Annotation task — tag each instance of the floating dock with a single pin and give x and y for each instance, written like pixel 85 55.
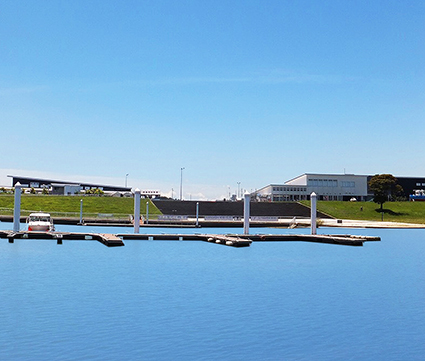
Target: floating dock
pixel 232 240
pixel 109 240
pixel 241 240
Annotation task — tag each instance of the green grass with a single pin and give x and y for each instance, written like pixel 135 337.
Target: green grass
pixel 409 212
pixel 69 206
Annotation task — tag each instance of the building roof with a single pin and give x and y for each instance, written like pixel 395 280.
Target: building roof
pixel 25 180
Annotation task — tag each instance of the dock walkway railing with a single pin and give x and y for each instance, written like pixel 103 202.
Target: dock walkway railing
pixel 26 212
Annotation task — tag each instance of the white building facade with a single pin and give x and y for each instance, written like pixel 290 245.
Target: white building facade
pixel 326 186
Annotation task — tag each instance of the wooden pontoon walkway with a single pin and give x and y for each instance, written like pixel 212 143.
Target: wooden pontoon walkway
pixel 109 240
pixel 233 240
pixel 240 240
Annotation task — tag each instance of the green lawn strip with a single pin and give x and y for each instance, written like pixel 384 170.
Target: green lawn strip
pixel 69 206
pixel 408 212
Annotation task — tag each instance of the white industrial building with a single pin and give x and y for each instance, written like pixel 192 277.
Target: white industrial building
pixel 326 186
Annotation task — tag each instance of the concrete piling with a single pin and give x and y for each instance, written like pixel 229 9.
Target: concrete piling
pixel 246 210
pixel 197 214
pixel 17 208
pixel 136 210
pixel 81 211
pixel 313 214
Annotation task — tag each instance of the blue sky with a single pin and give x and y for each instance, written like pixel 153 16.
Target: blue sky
pixel 255 92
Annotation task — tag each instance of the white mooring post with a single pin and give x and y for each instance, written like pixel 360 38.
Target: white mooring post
pixel 197 214
pixel 81 211
pixel 136 210
pixel 147 212
pixel 246 200
pixel 17 208
pixel 313 214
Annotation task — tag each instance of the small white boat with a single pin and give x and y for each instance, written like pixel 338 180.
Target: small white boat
pixel 40 221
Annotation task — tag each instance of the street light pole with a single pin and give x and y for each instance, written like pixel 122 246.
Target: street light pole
pixel 181 183
pixel 239 185
pixel 126 180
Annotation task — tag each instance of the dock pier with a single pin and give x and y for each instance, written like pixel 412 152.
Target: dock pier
pixel 232 240
pixel 108 240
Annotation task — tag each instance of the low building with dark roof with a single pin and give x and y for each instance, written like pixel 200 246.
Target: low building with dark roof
pixel 64 187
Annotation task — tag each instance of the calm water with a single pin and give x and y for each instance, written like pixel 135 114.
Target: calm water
pixel 155 300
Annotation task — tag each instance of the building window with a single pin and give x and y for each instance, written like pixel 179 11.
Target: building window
pixel 346 184
pixel 322 183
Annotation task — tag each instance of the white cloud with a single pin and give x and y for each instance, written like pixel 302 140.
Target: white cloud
pixel 21 90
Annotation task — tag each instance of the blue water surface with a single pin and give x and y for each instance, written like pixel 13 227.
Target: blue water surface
pixel 178 300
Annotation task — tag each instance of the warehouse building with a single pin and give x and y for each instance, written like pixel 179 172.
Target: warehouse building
pixel 64 187
pixel 338 187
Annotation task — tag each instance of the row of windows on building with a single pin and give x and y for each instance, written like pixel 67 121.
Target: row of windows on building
pixel 289 189
pixel 299 197
pixel 330 183
pixel 37 185
pixel 288 197
pixel 323 183
pixel 317 183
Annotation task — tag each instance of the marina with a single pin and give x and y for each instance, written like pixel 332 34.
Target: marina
pixel 212 181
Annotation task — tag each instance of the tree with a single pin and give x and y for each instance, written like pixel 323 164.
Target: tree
pixel 384 188
pixel 98 192
pixel 94 191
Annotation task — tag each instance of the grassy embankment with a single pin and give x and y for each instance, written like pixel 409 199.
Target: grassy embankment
pixel 408 212
pixel 67 206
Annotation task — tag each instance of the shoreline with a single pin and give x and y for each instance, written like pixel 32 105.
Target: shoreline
pixel 202 223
